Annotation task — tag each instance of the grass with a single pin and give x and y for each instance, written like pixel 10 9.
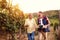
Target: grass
pixel 54 21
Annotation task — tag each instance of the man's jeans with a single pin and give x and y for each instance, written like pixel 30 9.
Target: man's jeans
pixel 31 36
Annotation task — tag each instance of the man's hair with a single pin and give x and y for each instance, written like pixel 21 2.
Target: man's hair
pixel 29 14
pixel 40 12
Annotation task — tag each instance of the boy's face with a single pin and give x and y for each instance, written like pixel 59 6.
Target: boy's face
pixel 40 15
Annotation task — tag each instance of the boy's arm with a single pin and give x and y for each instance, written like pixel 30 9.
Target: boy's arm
pixel 45 26
pixel 48 22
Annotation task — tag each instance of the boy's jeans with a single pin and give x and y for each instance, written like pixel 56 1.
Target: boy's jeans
pixel 31 36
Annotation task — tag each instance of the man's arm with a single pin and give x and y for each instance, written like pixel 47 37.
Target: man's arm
pixel 36 26
pixel 26 24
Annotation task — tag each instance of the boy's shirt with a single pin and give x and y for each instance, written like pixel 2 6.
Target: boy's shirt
pixel 43 22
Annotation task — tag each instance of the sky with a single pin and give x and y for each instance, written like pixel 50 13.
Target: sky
pixel 30 6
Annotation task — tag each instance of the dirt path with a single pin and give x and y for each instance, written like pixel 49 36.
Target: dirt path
pixel 51 35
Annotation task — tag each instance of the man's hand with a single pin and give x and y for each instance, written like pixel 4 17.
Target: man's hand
pixel 26 25
pixel 38 26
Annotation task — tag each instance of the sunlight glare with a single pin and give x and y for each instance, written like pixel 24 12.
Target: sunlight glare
pixel 37 5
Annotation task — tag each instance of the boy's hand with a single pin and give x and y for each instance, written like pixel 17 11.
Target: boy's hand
pixel 44 26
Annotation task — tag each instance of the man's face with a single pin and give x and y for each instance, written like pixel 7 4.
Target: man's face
pixel 30 16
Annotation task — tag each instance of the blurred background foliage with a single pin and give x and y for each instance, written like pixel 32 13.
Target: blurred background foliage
pixel 11 18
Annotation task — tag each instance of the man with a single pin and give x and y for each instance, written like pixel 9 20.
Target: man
pixel 30 24
pixel 43 23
